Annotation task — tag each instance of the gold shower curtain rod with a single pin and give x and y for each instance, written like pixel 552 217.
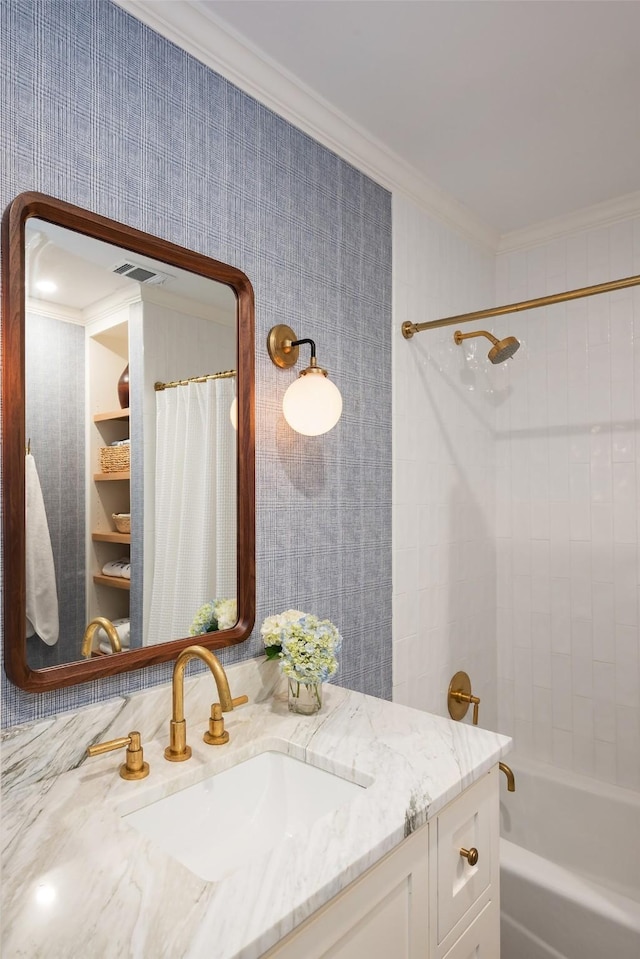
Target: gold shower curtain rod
pixel 225 375
pixel 408 329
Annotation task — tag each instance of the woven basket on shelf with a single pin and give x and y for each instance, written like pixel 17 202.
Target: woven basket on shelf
pixel 115 459
pixel 122 522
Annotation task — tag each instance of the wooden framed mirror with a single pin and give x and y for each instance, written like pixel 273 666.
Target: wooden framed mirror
pixel 141 499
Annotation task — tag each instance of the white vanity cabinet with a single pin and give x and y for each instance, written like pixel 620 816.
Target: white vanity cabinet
pixel 423 900
pixel 464 902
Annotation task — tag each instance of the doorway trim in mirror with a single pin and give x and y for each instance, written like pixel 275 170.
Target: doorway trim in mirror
pixel 63 214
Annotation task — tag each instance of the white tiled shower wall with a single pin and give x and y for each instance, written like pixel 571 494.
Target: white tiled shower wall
pixel 444 478
pixel 567 506
pixel 517 493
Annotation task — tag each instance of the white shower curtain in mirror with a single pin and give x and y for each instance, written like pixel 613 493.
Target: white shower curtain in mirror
pixel 195 521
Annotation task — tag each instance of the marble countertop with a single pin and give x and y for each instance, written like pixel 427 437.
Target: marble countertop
pixel 78 880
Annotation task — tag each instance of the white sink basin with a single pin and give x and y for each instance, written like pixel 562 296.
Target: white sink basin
pixel 232 818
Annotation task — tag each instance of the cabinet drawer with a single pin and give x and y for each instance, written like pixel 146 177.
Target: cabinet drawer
pixel 469 822
pixel 481 940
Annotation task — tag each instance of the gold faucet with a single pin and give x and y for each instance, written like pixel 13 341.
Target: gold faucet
pixel 177 750
pixel 511 779
pixel 110 630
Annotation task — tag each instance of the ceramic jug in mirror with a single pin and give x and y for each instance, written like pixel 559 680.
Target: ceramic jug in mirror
pixel 142 515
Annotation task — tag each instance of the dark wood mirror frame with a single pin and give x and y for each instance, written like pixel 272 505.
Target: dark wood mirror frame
pixel 13 440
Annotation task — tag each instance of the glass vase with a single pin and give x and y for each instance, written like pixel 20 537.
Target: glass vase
pixel 304 698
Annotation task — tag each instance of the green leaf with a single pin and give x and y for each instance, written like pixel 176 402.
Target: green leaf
pixel 273 652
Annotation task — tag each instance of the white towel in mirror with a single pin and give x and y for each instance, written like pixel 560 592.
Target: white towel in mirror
pixel 42 595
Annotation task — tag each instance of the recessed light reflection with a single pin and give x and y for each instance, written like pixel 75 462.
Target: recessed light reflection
pixel 45 894
pixel 46 286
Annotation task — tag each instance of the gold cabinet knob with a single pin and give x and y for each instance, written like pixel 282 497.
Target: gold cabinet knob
pixel 135 767
pixel 471 855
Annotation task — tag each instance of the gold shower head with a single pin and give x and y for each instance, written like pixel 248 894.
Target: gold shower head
pixel 501 349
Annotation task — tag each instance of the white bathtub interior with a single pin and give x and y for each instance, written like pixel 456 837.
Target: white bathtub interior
pixel 570 867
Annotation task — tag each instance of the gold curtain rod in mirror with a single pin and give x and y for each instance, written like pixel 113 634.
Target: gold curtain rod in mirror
pixel 408 328
pixel 225 375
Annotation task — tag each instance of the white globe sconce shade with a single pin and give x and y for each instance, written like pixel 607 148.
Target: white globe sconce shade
pixel 312 404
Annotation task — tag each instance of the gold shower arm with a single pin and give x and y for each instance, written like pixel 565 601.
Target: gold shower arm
pixel 408 329
pixel 459 337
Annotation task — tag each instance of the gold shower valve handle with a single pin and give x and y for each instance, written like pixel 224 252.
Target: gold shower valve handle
pixel 459 697
pixel 476 703
pixel 135 767
pixel 471 855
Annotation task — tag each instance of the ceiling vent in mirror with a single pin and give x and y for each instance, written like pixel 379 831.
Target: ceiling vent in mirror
pixel 140 273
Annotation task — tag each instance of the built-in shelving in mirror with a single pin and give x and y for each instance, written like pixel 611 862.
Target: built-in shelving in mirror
pixel 127 446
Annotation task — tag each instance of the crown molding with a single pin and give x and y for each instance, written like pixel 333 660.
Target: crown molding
pixel 588 218
pixel 215 44
pixel 110 311
pixel 54 311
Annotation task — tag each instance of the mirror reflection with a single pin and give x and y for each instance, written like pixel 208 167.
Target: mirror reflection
pixel 131 452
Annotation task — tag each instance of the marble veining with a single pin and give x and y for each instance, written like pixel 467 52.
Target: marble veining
pixel 74 872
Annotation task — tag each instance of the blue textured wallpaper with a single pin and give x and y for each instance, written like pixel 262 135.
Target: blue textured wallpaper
pixel 100 111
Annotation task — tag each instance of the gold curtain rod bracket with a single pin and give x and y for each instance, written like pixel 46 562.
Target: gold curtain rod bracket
pixel 225 375
pixel 408 329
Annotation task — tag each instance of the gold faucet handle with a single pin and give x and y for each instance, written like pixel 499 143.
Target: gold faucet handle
pixel 217 735
pixel 135 767
pixel 239 701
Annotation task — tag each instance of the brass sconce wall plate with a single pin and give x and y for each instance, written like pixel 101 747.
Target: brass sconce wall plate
pixel 279 346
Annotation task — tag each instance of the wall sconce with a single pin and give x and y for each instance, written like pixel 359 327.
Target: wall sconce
pixel 312 404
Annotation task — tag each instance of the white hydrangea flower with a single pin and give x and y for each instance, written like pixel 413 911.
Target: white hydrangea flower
pixel 227 613
pixel 214 615
pixel 271 629
pixel 305 645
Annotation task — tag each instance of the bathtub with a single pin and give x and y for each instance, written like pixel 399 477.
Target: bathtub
pixel 569 867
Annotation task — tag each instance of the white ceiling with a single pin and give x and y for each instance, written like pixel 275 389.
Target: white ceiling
pixel 521 111
pixel 82 269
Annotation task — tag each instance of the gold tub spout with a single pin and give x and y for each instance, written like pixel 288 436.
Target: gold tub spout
pixel 511 779
pixel 110 630
pixel 177 750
